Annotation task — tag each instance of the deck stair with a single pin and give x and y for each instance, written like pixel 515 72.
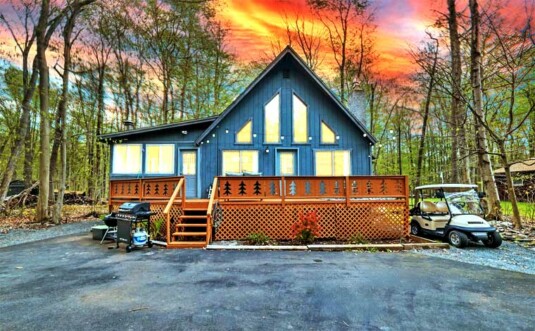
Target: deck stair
pixel 191 228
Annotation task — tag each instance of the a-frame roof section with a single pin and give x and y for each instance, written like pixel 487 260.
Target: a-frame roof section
pixel 288 51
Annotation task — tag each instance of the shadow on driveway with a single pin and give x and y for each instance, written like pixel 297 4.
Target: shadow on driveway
pixel 75 283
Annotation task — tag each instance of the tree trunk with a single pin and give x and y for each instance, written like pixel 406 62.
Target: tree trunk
pixel 510 188
pixel 456 76
pixel 42 214
pixel 28 159
pixel 24 124
pixel 427 105
pixel 485 165
pixel 62 174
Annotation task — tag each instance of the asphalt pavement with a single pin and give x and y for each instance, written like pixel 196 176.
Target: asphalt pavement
pixel 73 283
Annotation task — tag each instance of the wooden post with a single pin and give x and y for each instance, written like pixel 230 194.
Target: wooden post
pixel 348 198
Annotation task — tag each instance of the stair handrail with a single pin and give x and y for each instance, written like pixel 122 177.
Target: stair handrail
pixel 169 205
pixel 209 211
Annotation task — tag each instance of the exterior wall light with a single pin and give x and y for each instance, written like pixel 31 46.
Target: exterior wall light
pixel 226 130
pixel 310 138
pixel 282 137
pixel 254 135
pixel 213 134
pixel 184 132
pixel 337 137
pixel 208 141
pixel 267 150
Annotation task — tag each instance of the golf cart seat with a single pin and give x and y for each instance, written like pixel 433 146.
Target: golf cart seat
pixel 442 207
pixel 428 207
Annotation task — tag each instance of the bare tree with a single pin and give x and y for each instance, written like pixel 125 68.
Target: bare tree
pixel 485 165
pixel 307 37
pixel 339 17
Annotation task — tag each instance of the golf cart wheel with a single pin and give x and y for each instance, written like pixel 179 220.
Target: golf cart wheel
pixel 415 228
pixel 149 244
pixel 128 249
pixel 494 241
pixel 457 239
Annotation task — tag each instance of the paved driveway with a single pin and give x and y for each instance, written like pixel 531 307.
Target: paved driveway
pixel 72 283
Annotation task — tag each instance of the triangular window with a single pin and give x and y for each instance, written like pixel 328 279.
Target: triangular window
pixel 327 134
pixel 245 134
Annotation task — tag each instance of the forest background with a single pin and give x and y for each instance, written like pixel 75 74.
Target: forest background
pixel 449 84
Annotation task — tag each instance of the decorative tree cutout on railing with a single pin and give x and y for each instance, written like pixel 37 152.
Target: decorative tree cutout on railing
pixel 272 188
pixel 136 189
pixel 383 187
pixel 128 190
pixel 354 187
pixel 165 189
pixel 292 188
pixel 242 188
pixel 322 188
pixel 226 188
pixel 399 186
pixel 122 188
pixel 369 187
pixel 257 188
pixel 115 188
pixel 147 189
pixel 307 188
pixel 336 188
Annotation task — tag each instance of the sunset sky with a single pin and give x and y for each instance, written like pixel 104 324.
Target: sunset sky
pixel 400 24
pixel 254 24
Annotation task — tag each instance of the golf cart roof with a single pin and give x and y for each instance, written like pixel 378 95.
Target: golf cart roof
pixel 443 186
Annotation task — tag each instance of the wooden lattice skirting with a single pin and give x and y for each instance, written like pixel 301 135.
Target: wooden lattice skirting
pixel 367 220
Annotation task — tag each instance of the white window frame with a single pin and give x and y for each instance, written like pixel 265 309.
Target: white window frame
pixel 240 151
pixel 278 141
pixel 250 136
pixel 333 151
pixel 147 159
pixel 295 123
pixel 114 163
pixel 321 134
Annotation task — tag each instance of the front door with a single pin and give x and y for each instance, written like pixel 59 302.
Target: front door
pixel 189 171
pixel 286 163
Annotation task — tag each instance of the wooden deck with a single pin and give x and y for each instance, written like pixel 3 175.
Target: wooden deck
pixel 368 207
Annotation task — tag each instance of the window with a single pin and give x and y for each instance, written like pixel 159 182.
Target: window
pixel 300 121
pixel 245 135
pixel 126 159
pixel 518 182
pixel 272 120
pixel 240 161
pixel 327 134
pixel 333 163
pixel 160 159
pixel 286 163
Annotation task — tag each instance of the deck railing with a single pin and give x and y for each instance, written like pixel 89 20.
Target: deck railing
pixel 179 189
pixel 288 189
pixel 209 220
pixel 367 207
pixel 162 193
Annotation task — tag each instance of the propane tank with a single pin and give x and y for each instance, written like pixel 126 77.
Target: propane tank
pixel 140 237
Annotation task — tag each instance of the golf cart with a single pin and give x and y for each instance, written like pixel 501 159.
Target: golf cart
pixel 457 215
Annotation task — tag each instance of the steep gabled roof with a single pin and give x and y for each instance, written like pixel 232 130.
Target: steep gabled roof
pixel 180 125
pixel 288 51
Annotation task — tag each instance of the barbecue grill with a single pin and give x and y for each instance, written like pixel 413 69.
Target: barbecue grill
pixel 133 218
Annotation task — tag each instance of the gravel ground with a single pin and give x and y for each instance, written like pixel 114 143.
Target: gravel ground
pixel 509 256
pixel 16 237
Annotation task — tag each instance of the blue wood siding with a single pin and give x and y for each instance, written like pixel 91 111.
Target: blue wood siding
pixel 320 107
pixel 223 137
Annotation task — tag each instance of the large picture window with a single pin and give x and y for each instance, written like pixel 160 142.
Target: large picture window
pixel 240 161
pixel 245 135
pixel 333 163
pixel 126 159
pixel 300 120
pixel 160 159
pixel 272 120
